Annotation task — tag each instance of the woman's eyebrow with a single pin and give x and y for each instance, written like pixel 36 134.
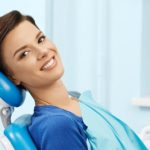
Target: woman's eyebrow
pixel 38 34
pixel 20 49
pixel 25 46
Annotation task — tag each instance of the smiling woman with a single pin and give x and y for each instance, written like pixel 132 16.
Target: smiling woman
pixel 31 60
pixel 60 121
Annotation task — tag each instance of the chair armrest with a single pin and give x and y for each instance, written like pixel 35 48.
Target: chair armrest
pixel 18 134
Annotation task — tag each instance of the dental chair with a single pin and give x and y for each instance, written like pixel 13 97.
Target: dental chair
pixel 16 136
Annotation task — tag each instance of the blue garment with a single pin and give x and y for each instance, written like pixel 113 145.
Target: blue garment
pixel 102 130
pixel 105 131
pixel 54 128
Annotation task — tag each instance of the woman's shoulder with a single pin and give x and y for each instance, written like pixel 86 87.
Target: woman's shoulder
pixel 52 125
pixel 54 119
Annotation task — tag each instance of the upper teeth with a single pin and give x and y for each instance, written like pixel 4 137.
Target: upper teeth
pixel 49 64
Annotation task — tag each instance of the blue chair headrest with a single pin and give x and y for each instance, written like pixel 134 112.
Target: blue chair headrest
pixel 10 93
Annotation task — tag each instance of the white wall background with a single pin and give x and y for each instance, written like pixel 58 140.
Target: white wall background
pixel 104 46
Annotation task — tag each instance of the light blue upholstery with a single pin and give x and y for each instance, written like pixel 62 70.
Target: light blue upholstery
pixel 10 93
pixel 18 134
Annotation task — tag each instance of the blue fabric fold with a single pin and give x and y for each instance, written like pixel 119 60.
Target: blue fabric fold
pixel 105 131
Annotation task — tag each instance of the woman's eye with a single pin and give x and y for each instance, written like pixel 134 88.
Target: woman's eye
pixel 41 39
pixel 24 54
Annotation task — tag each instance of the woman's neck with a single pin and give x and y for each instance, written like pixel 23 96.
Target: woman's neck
pixel 56 94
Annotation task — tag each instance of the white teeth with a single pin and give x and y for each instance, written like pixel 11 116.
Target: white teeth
pixel 48 64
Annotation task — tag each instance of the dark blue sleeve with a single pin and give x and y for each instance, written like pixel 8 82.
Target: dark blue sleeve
pixel 62 133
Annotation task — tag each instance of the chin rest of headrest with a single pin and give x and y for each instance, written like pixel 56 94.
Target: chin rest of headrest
pixel 10 93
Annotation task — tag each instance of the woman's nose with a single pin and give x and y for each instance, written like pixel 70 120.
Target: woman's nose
pixel 42 53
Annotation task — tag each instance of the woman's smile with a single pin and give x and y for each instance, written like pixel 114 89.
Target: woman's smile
pixel 48 65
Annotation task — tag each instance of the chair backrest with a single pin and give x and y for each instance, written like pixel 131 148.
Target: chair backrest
pixel 11 96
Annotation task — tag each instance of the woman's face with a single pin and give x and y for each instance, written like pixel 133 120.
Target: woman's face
pixel 29 55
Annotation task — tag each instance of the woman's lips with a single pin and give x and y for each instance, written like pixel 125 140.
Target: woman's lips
pixel 49 64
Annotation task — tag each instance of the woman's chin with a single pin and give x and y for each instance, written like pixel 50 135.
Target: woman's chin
pixel 57 74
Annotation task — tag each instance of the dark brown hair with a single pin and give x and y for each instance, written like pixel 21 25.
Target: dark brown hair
pixel 7 23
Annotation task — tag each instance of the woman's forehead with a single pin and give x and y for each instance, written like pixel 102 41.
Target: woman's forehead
pixel 21 35
pixel 24 31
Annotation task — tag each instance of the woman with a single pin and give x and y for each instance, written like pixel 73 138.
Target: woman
pixel 59 121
